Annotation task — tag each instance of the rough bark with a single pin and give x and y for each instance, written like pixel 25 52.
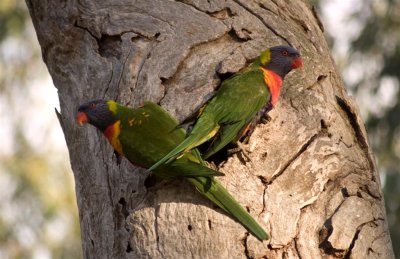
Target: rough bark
pixel 312 183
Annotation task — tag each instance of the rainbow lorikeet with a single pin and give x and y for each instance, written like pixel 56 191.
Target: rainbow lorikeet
pixel 234 107
pixel 145 134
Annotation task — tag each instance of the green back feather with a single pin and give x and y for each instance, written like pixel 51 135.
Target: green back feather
pixel 148 133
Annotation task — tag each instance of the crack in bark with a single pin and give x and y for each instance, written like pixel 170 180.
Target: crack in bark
pixel 356 235
pixel 263 6
pixel 290 161
pixel 150 37
pixel 156 213
pixel 296 236
pixel 128 248
pixel 316 16
pixel 114 219
pixel 322 132
pixel 327 247
pixel 296 247
pixel 85 29
pixel 109 81
pixel 262 21
pixel 344 143
pixel 284 248
pixel 302 23
pixel 327 231
pixel 383 234
pixel 109 184
pixel 233 33
pixel 223 14
pixel 353 241
pixel 208 12
pixel 141 12
pixel 263 198
pixel 124 206
pixel 292 105
pixel 275 2
pixel 361 139
pixel 366 189
pixel 320 79
pixel 244 242
pixel 141 66
pixel 123 69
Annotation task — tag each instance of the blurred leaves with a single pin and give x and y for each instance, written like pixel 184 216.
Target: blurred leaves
pixel 379 41
pixel 12 18
pixel 370 69
pixel 38 212
pixel 38 209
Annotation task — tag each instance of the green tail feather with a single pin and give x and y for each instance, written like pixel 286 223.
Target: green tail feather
pixel 203 130
pixel 187 168
pixel 173 154
pixel 214 191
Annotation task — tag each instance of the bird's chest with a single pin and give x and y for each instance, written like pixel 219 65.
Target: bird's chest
pixel 112 133
pixel 274 82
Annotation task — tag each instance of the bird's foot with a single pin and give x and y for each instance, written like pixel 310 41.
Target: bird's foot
pixel 212 165
pixel 243 150
pixel 265 118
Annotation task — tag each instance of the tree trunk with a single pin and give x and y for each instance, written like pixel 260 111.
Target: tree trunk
pixel 312 181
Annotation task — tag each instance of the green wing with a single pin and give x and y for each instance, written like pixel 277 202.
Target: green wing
pixel 149 132
pixel 227 134
pixel 238 107
pixel 205 128
pixel 236 102
pixel 183 168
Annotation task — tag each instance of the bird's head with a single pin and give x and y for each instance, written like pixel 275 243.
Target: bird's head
pixel 281 59
pixel 99 113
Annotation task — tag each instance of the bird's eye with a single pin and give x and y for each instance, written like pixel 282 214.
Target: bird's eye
pixel 285 53
pixel 92 105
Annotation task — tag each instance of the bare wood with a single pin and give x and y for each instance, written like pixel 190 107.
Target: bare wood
pixel 312 183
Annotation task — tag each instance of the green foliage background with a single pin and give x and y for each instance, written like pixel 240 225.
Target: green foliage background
pixel 38 214
pixel 371 73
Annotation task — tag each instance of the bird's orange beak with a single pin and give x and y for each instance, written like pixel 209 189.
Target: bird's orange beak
pixel 82 118
pixel 297 63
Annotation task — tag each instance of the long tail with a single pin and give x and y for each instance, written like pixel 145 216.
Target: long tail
pixel 204 129
pixel 214 191
pixel 174 153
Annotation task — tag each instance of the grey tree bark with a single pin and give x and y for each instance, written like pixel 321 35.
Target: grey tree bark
pixel 312 183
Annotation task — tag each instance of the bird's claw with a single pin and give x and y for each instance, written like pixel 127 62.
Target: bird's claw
pixel 265 119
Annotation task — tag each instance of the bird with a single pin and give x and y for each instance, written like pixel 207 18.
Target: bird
pixel 239 102
pixel 145 134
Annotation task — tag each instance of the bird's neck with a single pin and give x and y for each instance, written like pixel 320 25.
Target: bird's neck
pixel 112 134
pixel 274 83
